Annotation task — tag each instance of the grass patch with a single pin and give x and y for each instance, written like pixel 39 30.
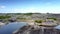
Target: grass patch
pixel 52 18
pixel 38 21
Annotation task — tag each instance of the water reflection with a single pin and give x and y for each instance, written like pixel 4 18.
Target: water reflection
pixel 8 29
pixel 57 27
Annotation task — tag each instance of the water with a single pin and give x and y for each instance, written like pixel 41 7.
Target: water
pixel 57 27
pixel 11 27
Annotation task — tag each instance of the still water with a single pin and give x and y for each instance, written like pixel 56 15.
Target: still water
pixel 11 27
pixel 58 27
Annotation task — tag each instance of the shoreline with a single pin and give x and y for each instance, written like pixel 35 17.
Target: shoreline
pixel 36 30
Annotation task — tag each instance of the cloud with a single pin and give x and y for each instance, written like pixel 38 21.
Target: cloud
pixel 33 10
pixel 2 7
pixel 27 10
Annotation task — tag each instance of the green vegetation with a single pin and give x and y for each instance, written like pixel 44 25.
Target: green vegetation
pixel 38 21
pixel 18 13
pixel 21 18
pixel 5 17
pixel 28 14
pixel 52 18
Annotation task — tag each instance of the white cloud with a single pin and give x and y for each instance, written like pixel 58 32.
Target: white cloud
pixel 34 10
pixel 2 7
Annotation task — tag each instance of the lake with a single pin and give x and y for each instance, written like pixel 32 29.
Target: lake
pixel 11 27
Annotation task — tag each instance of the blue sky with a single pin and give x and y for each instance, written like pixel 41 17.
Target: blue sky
pixel 25 6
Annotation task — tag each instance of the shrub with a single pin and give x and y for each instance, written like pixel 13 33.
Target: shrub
pixel 52 18
pixel 38 21
pixel 21 18
pixel 28 14
pixel 4 17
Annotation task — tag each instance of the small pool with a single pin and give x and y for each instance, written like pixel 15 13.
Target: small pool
pixel 11 27
pixel 57 27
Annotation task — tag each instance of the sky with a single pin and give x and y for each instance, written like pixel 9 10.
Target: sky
pixel 32 6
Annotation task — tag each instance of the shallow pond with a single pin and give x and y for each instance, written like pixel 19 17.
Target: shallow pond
pixel 58 27
pixel 11 27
